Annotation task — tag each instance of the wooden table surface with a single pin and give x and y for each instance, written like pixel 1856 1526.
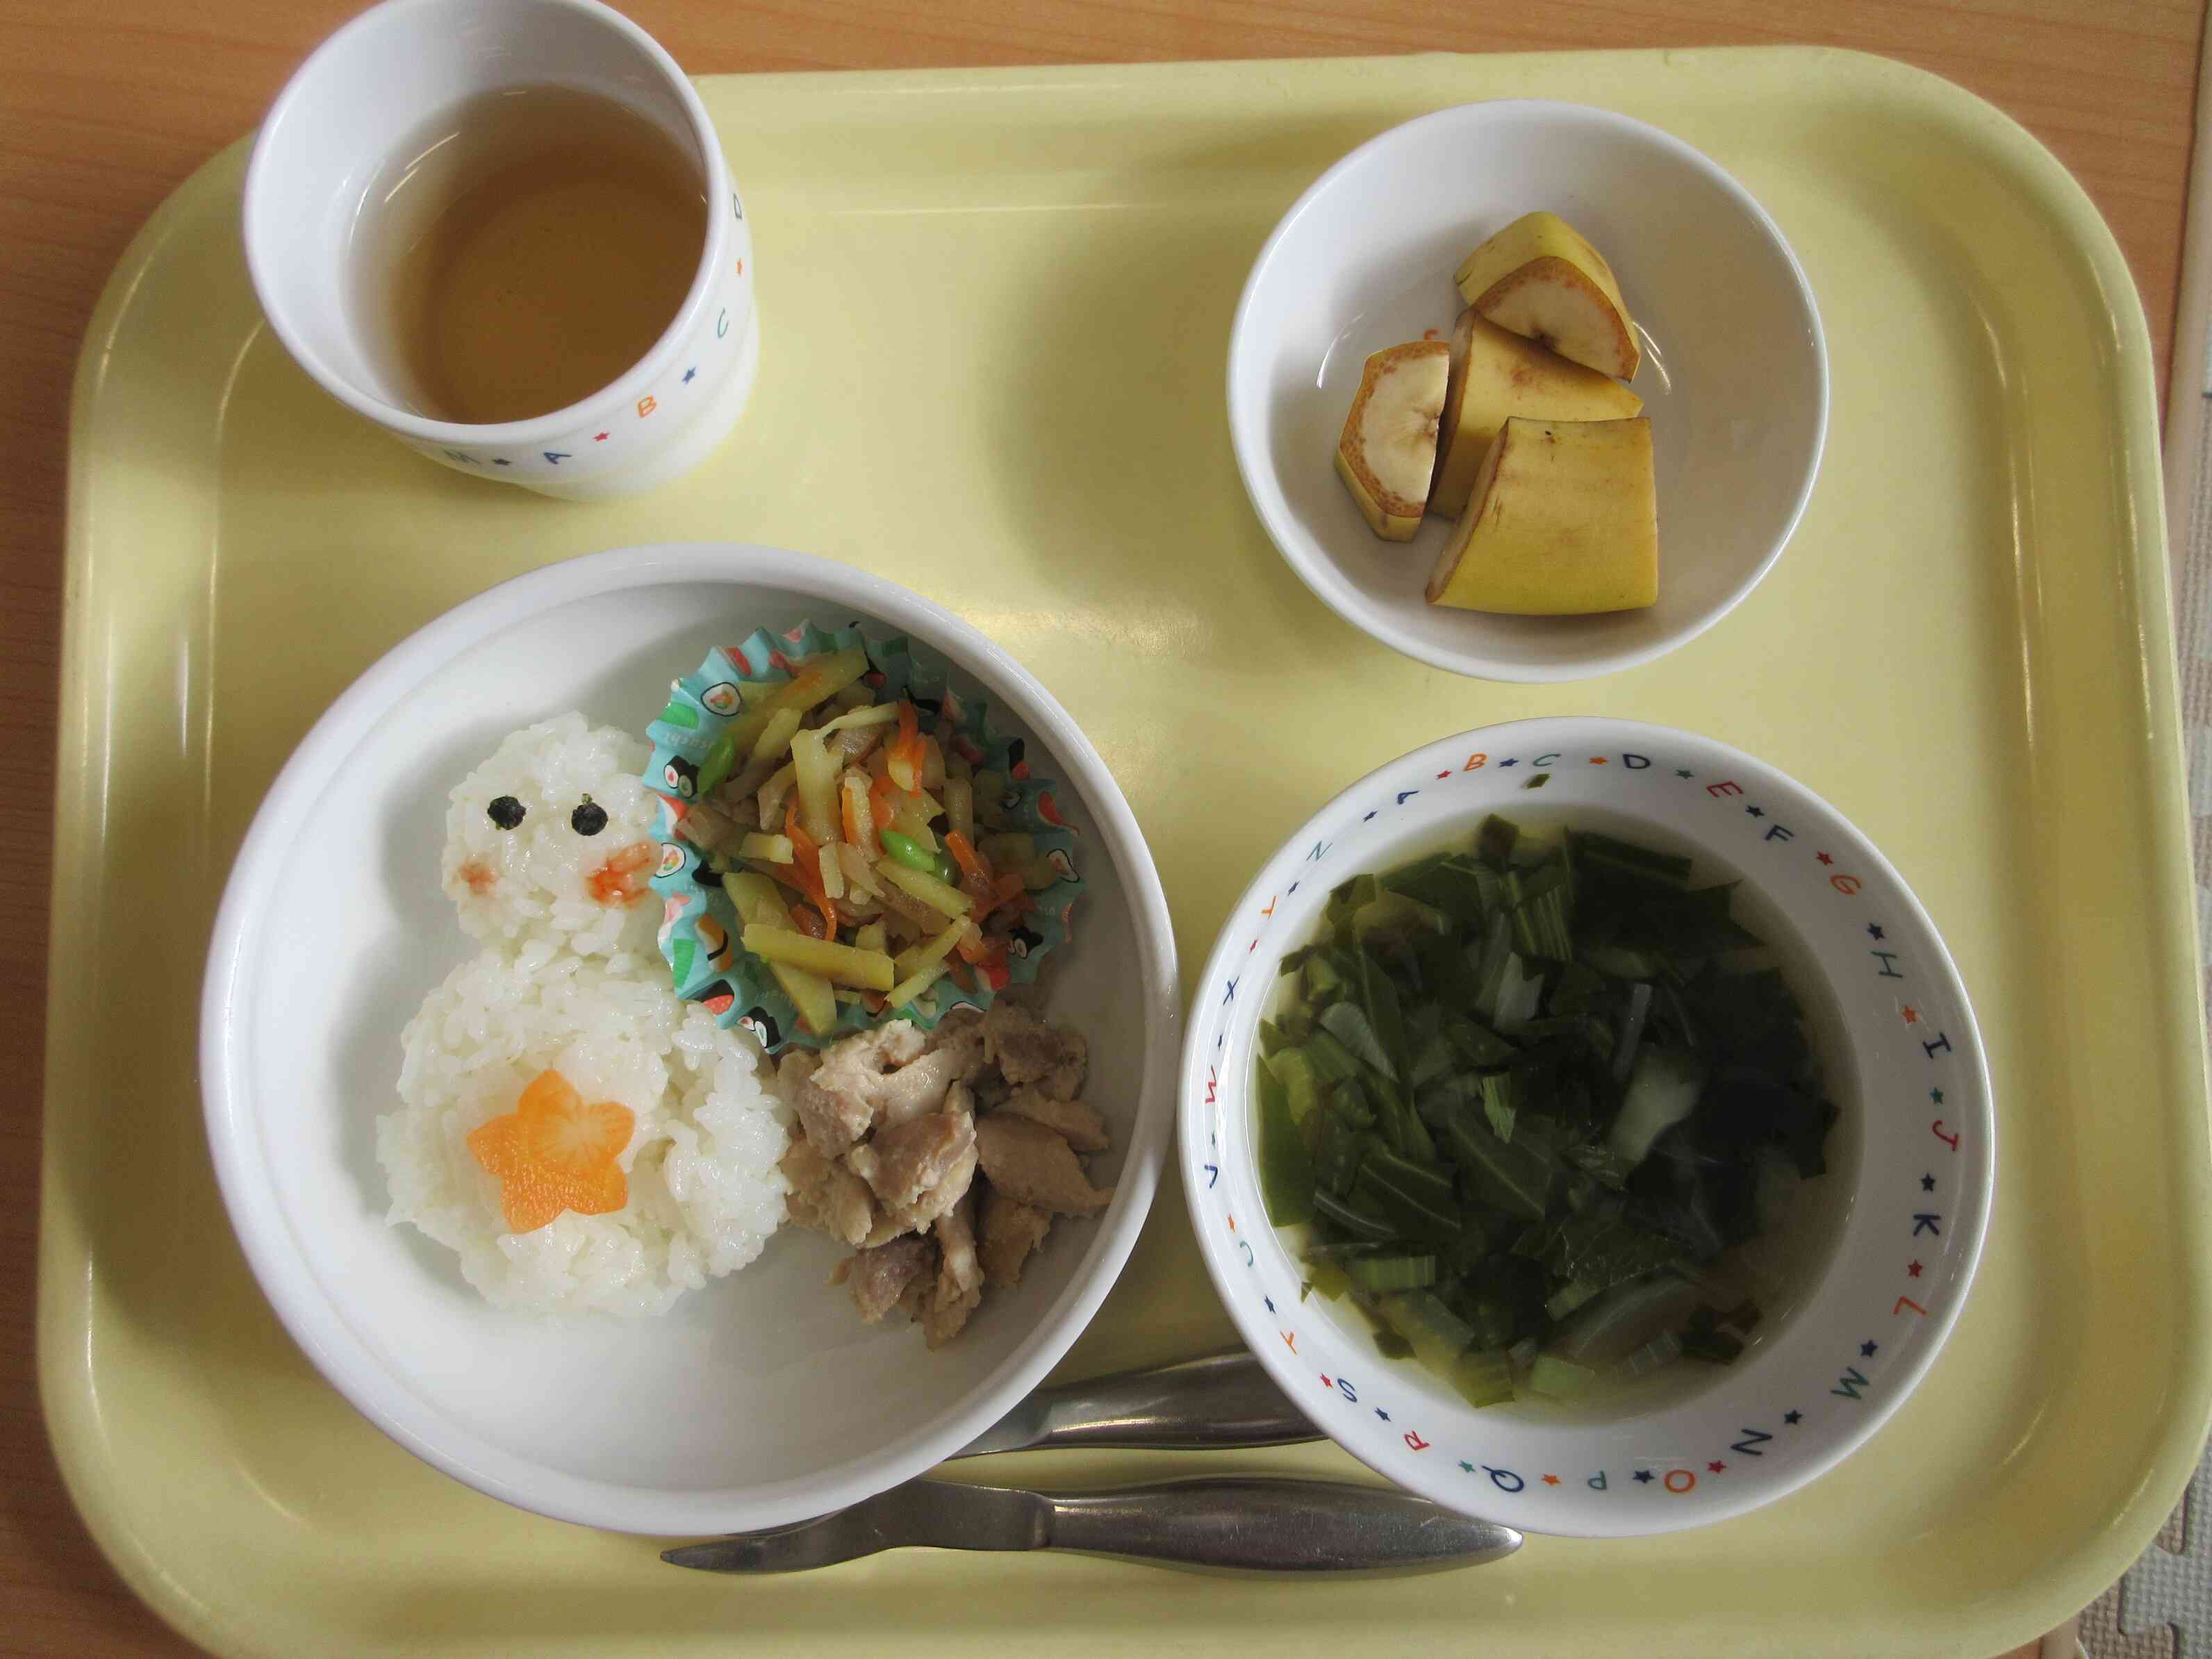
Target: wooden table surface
pixel 104 110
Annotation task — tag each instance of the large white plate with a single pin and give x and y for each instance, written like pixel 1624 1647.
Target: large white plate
pixel 761 1399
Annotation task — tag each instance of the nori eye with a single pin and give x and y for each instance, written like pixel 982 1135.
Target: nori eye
pixel 506 812
pixel 589 818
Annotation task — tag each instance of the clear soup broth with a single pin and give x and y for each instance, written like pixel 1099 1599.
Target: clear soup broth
pixel 1667 1159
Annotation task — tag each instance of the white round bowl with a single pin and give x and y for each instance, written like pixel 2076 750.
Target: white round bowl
pixel 1735 380
pixel 761 1399
pixel 1888 1237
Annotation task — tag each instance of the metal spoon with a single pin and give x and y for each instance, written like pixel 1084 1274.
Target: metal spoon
pixel 1223 1401
pixel 1226 1523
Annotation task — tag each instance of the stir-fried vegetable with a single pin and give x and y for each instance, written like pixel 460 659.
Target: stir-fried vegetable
pixel 1524 1096
pixel 866 859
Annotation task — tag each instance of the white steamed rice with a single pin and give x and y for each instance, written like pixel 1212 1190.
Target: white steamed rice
pixel 705 1192
pixel 528 887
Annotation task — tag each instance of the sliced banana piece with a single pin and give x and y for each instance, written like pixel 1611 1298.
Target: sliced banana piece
pixel 1388 452
pixel 1563 521
pixel 1541 277
pixel 1497 374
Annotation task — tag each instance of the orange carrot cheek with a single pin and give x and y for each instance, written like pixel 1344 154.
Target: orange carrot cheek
pixel 478 875
pixel 615 882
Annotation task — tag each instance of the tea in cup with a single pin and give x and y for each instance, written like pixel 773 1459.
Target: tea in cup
pixel 503 230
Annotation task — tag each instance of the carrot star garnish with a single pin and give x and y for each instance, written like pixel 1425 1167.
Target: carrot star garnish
pixel 553 1152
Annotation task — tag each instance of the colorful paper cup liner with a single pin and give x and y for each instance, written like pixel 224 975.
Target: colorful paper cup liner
pixel 699 925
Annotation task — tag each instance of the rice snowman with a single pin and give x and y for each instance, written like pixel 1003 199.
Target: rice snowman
pixel 581 1136
pixel 549 844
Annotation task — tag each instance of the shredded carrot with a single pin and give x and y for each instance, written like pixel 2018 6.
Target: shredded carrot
pixel 1009 889
pixel 974 871
pixel 880 803
pixel 849 819
pixel 806 860
pixel 970 861
pixel 553 1152
pixel 903 758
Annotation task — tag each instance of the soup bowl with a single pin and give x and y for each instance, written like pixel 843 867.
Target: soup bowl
pixel 1873 1260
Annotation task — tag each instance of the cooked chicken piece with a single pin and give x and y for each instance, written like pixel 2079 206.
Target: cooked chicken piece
pixel 942 1321
pixel 886 1227
pixel 1034 1165
pixel 877 1080
pixel 920 1292
pixel 920 1169
pixel 961 1019
pixel 830 1198
pixel 963 1035
pixel 893 1152
pixel 945 1193
pixel 832 1122
pixel 1010 1230
pixel 1080 1126
pixel 920 1086
pixel 837 1097
pixel 805 1169
pixel 1028 1051
pixel 959 1275
pixel 880 1279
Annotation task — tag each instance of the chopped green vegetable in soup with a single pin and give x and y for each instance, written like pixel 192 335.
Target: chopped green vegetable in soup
pixel 1526 1097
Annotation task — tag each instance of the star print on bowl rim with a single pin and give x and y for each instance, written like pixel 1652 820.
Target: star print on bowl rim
pixel 1914 1143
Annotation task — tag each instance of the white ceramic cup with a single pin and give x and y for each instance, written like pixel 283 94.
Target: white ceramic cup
pixel 341 119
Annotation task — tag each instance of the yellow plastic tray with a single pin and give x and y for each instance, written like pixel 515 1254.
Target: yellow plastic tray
pixel 996 306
